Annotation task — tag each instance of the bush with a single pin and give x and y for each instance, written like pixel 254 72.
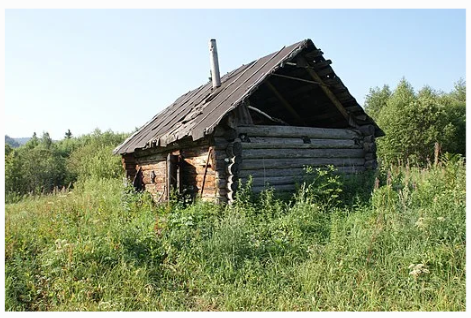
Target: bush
pixel 414 122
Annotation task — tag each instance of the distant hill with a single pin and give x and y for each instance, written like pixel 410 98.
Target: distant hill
pixel 22 140
pixel 12 142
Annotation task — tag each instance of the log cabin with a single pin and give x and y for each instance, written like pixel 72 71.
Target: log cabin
pixel 267 119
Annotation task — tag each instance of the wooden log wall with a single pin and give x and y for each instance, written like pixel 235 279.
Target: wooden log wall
pixel 276 155
pixel 129 165
pixel 199 174
pixel 369 147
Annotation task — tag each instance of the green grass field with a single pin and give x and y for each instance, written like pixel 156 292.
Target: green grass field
pixel 328 248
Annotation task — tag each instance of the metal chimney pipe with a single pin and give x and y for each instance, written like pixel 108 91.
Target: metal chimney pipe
pixel 216 78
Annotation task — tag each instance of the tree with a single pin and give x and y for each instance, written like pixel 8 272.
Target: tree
pixel 8 149
pixel 414 122
pixel 68 134
pixel 46 141
pixel 33 142
pixel 376 100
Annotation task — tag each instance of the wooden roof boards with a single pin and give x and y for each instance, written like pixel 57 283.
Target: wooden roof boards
pixel 196 113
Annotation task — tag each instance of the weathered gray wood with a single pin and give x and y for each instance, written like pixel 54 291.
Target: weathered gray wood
pixel 367 130
pixel 273 119
pixel 220 143
pixel 298 132
pixel 302 153
pixel 281 172
pixel 278 188
pixel 371 165
pixel 298 143
pixel 234 148
pixel 260 181
pixel 243 115
pixel 293 163
pixel 369 138
pixel 225 133
pixel 300 171
pixel 369 147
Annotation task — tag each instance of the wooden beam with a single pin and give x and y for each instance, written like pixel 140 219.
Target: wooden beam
pixel 273 119
pixel 314 54
pixel 329 94
pixel 284 102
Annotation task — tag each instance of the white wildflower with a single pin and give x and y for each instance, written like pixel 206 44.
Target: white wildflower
pixel 441 218
pixel 418 270
pixel 61 244
pixel 420 222
pixel 415 272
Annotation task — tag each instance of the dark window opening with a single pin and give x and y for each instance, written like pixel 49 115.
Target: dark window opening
pixel 138 182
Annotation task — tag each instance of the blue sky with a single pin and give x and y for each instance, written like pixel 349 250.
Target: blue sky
pixel 115 69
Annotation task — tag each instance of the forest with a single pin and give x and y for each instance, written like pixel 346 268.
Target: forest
pixel 78 238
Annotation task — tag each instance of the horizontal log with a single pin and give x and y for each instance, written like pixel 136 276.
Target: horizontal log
pixel 302 153
pixel 291 172
pixel 271 172
pixel 260 181
pixel 370 156
pixel 220 143
pixel 293 131
pixel 148 180
pixel 225 133
pixel 369 147
pixel 299 143
pixel 221 199
pixel 278 188
pixel 234 149
pixel 155 187
pixel 156 166
pixel 371 165
pixel 369 138
pixel 293 163
pixel 151 159
pixel 367 130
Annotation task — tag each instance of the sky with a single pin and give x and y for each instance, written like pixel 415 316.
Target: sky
pixel 115 69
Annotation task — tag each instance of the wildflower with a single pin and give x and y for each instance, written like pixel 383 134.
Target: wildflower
pixel 441 218
pixel 61 244
pixel 420 223
pixel 417 270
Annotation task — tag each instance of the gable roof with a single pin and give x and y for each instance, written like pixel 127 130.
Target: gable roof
pixel 197 113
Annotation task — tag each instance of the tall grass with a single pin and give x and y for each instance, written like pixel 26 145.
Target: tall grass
pixel 104 248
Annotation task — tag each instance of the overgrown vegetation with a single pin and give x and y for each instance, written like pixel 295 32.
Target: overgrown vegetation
pixel 99 247
pixel 41 165
pixel 414 122
pixel 77 239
